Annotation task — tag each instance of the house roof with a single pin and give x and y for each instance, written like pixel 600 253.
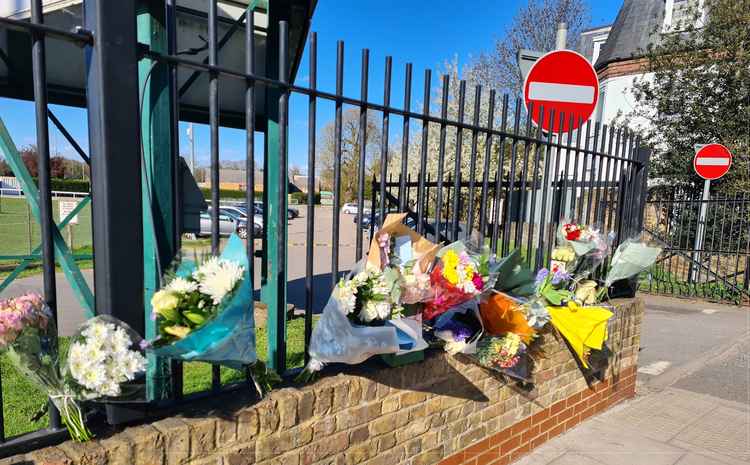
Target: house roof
pixel 636 26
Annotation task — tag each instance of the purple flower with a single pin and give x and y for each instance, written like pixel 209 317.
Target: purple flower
pixel 541 275
pixel 460 332
pixel 560 276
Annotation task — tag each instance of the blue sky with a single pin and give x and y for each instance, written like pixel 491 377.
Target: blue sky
pixel 425 33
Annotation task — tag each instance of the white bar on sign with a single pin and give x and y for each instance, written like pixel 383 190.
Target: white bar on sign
pixel 712 161
pixel 566 93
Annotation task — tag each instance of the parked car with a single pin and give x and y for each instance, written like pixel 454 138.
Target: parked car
pixel 228 224
pixel 351 209
pixel 291 213
pixel 241 212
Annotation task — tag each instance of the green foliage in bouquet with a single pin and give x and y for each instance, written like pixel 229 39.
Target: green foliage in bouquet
pixel 514 277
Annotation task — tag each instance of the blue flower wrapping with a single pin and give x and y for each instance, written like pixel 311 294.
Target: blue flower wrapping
pixel 229 338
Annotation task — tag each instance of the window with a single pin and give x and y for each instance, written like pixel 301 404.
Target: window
pixel 678 14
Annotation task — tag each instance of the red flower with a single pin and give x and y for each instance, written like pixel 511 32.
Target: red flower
pixel 573 235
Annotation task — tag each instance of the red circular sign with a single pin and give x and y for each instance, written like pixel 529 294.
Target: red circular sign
pixel 562 81
pixel 712 161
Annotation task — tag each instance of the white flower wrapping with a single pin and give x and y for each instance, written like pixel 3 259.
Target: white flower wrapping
pixel 101 358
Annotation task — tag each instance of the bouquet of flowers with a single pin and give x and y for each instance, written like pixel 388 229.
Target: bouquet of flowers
pixel 205 313
pixel 458 276
pixel 506 354
pixel 101 357
pixel 365 313
pixel 459 328
pixel 580 249
pixel 369 295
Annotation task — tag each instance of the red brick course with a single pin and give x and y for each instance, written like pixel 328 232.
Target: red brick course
pixel 526 435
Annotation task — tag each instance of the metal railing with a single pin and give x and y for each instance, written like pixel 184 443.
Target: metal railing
pixel 708 260
pixel 518 184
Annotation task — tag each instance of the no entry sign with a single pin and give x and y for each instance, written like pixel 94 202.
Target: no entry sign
pixel 562 81
pixel 712 161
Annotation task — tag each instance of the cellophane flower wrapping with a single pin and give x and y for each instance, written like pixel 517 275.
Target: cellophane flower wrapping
pixel 340 336
pixel 28 337
pixel 205 313
pixel 105 361
pixel 506 354
pixel 580 249
pixel 631 258
pixel 459 328
pixel 460 274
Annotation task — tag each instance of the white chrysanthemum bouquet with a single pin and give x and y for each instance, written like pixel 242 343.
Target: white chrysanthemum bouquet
pixel 205 313
pixel 103 356
pixel 190 300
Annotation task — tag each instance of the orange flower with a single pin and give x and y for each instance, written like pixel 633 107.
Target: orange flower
pixel 501 315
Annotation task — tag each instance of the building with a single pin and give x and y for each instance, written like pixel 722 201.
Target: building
pixel 617 50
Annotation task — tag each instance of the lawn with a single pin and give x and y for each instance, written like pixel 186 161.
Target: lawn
pixel 21 399
pixel 19 229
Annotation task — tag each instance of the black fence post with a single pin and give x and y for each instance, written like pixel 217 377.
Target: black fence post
pixel 116 211
pixel 640 184
pixel 117 217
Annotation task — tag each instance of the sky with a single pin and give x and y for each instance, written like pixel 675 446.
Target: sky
pixel 426 33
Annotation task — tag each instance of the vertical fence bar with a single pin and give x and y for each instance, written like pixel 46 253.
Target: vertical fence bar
pixel 592 171
pixel 361 149
pixel 337 165
pixel 552 226
pixel 283 181
pixel 213 118
pixel 441 156
pixel 512 179
pixel 498 185
pixel 171 26
pixel 485 174
pixel 250 145
pixel 403 201
pixel 537 161
pixel 563 210
pixel 473 163
pixel 523 200
pixel 384 139
pixel 39 75
pixel 310 246
pixel 545 184
pixel 602 169
pixel 582 198
pixel 459 144
pixel 423 155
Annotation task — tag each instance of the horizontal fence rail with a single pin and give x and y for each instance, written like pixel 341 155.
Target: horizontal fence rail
pixel 707 259
pixel 468 165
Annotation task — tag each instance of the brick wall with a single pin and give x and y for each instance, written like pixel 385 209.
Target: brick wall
pixel 444 410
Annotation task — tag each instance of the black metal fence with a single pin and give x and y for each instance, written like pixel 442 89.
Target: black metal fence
pixel 706 259
pixel 461 167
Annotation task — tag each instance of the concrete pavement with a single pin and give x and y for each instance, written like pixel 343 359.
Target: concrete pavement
pixel 693 396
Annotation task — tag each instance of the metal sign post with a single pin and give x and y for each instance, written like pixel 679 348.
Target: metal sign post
pixel 711 161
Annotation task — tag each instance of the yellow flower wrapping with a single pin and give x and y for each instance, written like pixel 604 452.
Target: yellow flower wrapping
pixel 585 328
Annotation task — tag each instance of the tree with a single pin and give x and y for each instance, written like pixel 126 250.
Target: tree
pixel 697 92
pixel 30 159
pixel 5 169
pixel 58 167
pixel 533 27
pixel 350 152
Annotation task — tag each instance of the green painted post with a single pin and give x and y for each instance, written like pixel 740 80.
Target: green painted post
pixel 158 217
pixel 272 279
pixel 63 256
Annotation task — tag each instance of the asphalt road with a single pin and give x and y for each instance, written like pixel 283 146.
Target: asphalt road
pixel 697 346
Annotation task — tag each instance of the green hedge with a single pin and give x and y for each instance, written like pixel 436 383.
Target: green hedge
pixel 301 198
pixel 68 185
pixel 229 194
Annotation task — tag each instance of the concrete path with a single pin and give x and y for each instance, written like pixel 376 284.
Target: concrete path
pixel 693 397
